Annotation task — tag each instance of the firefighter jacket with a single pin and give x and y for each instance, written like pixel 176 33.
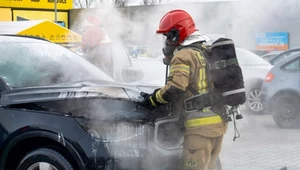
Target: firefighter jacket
pixel 187 70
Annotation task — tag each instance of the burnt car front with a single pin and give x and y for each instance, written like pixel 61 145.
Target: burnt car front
pixel 56 103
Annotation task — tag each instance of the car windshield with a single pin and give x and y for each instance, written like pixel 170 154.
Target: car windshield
pixel 248 58
pixel 39 63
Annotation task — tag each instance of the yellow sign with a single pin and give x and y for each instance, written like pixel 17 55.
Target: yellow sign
pixel 62 17
pixel 52 32
pixel 40 4
pixel 5 14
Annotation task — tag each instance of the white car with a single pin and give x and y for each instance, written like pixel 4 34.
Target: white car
pixel 254 70
pixel 116 62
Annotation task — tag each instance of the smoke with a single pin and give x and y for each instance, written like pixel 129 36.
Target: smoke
pixel 128 133
pixel 239 20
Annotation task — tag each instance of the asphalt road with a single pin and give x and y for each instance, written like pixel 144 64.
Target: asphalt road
pixel 262 145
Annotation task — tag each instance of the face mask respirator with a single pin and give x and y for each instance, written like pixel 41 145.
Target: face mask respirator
pixel 171 42
pixel 168 51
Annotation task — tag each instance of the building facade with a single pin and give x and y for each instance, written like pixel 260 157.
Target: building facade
pixel 23 10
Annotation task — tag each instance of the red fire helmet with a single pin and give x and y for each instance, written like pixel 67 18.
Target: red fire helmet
pixel 179 20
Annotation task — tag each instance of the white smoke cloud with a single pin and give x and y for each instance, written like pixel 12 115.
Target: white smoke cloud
pixel 239 20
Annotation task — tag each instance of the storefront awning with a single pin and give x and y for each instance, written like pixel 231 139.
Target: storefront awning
pixel 42 28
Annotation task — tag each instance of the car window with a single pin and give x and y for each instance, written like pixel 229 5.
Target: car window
pixel 268 57
pixel 249 59
pixel 280 57
pixel 293 66
pixel 42 63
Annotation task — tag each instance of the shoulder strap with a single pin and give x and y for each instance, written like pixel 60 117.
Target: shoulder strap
pixel 198 47
pixel 223 63
pixel 213 65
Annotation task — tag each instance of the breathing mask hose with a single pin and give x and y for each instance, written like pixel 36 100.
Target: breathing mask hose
pixel 236 131
pixel 167 70
pixel 235 112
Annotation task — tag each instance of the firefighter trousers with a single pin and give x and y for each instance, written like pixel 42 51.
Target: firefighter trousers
pixel 201 153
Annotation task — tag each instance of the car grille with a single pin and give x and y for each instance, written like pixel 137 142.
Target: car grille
pixel 133 140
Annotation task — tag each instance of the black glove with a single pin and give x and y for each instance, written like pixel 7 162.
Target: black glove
pixel 149 101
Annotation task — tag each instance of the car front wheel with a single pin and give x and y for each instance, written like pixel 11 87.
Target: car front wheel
pixel 286 111
pixel 44 159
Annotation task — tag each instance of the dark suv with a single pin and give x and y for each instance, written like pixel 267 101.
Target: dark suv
pixel 58 111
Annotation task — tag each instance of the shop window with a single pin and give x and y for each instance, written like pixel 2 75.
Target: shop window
pixel 61 23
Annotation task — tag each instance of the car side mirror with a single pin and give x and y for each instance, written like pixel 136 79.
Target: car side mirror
pixel 131 74
pixel 3 84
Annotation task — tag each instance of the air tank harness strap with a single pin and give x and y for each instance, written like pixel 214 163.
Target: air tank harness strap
pixel 223 64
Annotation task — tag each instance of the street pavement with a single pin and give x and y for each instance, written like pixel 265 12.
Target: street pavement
pixel 262 145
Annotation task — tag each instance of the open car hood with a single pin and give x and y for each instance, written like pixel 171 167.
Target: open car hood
pixel 88 89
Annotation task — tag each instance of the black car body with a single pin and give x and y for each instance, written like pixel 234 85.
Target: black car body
pixel 59 111
pixel 84 123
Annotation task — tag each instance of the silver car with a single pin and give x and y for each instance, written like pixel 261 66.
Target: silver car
pixel 254 70
pixel 281 92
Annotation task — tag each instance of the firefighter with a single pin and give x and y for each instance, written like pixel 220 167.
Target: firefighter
pixel 204 129
pixel 93 33
pixel 96 44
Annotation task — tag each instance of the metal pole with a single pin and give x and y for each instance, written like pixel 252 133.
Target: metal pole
pixel 55 10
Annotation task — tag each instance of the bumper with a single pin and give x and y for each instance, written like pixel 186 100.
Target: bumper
pixel 116 155
pixel 136 153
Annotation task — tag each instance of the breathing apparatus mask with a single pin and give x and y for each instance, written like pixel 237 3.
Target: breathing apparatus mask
pixel 170 43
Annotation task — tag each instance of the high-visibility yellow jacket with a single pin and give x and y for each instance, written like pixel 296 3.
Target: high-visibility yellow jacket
pixel 187 68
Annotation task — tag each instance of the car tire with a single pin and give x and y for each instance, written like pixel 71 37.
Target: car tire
pixel 253 102
pixel 286 111
pixel 44 157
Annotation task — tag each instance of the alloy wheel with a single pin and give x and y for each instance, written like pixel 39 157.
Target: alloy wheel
pixel 288 112
pixel 254 100
pixel 42 166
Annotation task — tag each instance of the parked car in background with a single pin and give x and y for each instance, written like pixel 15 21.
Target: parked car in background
pixel 58 111
pixel 254 70
pixel 275 59
pixel 141 51
pixel 281 92
pixel 268 56
pixel 154 71
pixel 113 59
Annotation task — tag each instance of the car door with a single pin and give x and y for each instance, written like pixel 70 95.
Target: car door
pixel 292 73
